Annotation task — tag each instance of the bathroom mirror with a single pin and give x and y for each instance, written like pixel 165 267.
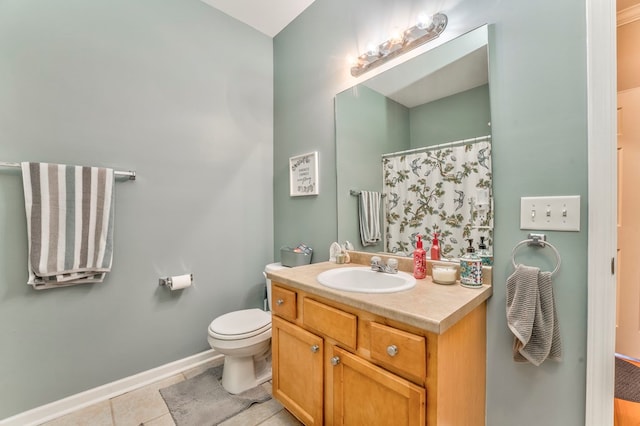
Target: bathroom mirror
pixel 437 97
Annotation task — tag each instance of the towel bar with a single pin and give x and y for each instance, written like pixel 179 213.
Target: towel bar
pixel 356 193
pixel 537 240
pixel 131 174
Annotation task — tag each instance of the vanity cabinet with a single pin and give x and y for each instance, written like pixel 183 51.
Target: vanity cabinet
pixel 364 394
pixel 297 359
pixel 336 364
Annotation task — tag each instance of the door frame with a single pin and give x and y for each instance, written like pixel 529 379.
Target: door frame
pixel 602 182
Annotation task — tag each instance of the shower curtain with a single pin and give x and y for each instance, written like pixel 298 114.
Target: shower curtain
pixel 436 191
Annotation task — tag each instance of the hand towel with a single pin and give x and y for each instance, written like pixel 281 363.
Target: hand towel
pixel 532 316
pixel 69 223
pixel 369 217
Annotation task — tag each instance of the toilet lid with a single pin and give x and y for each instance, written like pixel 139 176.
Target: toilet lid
pixel 240 324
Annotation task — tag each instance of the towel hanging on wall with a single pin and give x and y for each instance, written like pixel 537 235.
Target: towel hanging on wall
pixel 532 316
pixel 69 223
pixel 369 213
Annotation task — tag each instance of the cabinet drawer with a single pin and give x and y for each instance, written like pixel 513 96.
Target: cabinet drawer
pixel 333 323
pixel 399 351
pixel 283 303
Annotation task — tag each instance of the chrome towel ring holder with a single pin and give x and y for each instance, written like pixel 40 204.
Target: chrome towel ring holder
pixel 539 240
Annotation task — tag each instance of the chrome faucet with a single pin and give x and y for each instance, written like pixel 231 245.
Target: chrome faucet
pixel 390 268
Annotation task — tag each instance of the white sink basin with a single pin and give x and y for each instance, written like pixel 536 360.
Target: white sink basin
pixel 362 279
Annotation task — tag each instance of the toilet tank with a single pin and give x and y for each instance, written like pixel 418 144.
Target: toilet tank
pixel 271 268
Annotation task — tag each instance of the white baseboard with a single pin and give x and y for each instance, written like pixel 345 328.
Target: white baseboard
pixel 84 399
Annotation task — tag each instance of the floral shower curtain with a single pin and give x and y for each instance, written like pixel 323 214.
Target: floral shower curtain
pixel 436 191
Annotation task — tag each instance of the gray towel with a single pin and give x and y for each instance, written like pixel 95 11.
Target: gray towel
pixel 369 211
pixel 69 223
pixel 532 317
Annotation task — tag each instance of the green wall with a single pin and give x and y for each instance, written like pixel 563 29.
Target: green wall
pixel 539 117
pixel 368 125
pixel 456 117
pixel 160 87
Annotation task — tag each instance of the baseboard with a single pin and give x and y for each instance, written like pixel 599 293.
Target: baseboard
pixel 84 399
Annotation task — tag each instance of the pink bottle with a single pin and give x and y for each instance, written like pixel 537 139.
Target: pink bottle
pixel 435 248
pixel 419 260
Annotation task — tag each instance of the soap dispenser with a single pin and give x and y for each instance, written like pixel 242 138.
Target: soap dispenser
pixel 485 255
pixel 470 268
pixel 435 247
pixel 419 260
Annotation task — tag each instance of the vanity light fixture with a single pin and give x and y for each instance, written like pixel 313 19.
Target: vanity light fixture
pixel 426 29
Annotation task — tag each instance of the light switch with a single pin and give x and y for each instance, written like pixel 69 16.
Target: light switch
pixel 558 213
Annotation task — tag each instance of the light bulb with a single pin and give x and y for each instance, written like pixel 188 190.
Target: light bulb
pixel 425 21
pixel 394 43
pixel 395 36
pixel 372 49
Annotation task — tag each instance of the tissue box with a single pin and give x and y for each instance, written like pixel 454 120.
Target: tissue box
pixel 288 257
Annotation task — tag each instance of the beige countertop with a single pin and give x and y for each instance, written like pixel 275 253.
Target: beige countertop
pixel 429 306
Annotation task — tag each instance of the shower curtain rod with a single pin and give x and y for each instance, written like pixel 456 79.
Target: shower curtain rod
pixel 442 145
pixel 131 175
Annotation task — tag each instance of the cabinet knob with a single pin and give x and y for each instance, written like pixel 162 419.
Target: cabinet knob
pixel 279 302
pixel 392 350
pixel 315 348
pixel 335 360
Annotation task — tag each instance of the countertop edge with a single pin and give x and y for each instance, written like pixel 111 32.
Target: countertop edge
pixel 304 279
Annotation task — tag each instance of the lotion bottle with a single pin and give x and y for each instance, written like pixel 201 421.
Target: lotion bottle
pixel 471 268
pixel 485 255
pixel 435 247
pixel 419 260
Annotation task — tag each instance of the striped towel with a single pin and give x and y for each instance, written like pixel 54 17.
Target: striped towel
pixel 69 223
pixel 369 213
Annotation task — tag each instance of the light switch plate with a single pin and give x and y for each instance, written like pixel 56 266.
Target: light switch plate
pixel 557 213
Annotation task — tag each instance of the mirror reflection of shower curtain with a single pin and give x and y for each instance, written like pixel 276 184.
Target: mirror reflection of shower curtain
pixel 436 191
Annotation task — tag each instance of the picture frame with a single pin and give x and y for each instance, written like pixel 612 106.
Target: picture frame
pixel 303 174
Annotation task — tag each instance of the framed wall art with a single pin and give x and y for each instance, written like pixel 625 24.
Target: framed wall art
pixel 303 174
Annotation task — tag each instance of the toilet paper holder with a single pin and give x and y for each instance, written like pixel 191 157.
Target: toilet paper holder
pixel 168 282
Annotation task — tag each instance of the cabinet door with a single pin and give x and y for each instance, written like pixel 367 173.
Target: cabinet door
pixel 297 370
pixel 283 302
pixel 364 394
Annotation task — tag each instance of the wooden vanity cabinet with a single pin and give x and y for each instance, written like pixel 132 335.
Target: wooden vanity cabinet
pixel 297 358
pixel 337 365
pixel 364 394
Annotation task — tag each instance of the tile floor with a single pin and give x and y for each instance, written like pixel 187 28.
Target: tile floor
pixel 146 407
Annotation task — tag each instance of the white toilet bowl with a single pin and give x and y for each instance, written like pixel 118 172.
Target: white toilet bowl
pixel 244 338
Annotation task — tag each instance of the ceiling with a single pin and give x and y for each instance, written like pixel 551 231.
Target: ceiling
pixel 267 16
pixel 464 74
pixel 270 17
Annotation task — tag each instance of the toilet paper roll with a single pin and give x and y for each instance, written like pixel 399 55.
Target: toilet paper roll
pixel 179 282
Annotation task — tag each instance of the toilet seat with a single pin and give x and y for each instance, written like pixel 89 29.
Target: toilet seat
pixel 239 325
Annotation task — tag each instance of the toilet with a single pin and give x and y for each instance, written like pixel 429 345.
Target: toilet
pixel 244 338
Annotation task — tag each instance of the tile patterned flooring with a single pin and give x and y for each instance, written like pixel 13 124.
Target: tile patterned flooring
pixel 146 407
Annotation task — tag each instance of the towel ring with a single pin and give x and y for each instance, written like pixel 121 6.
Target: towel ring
pixel 540 242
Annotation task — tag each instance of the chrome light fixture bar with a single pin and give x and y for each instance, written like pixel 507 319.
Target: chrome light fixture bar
pixel 427 29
